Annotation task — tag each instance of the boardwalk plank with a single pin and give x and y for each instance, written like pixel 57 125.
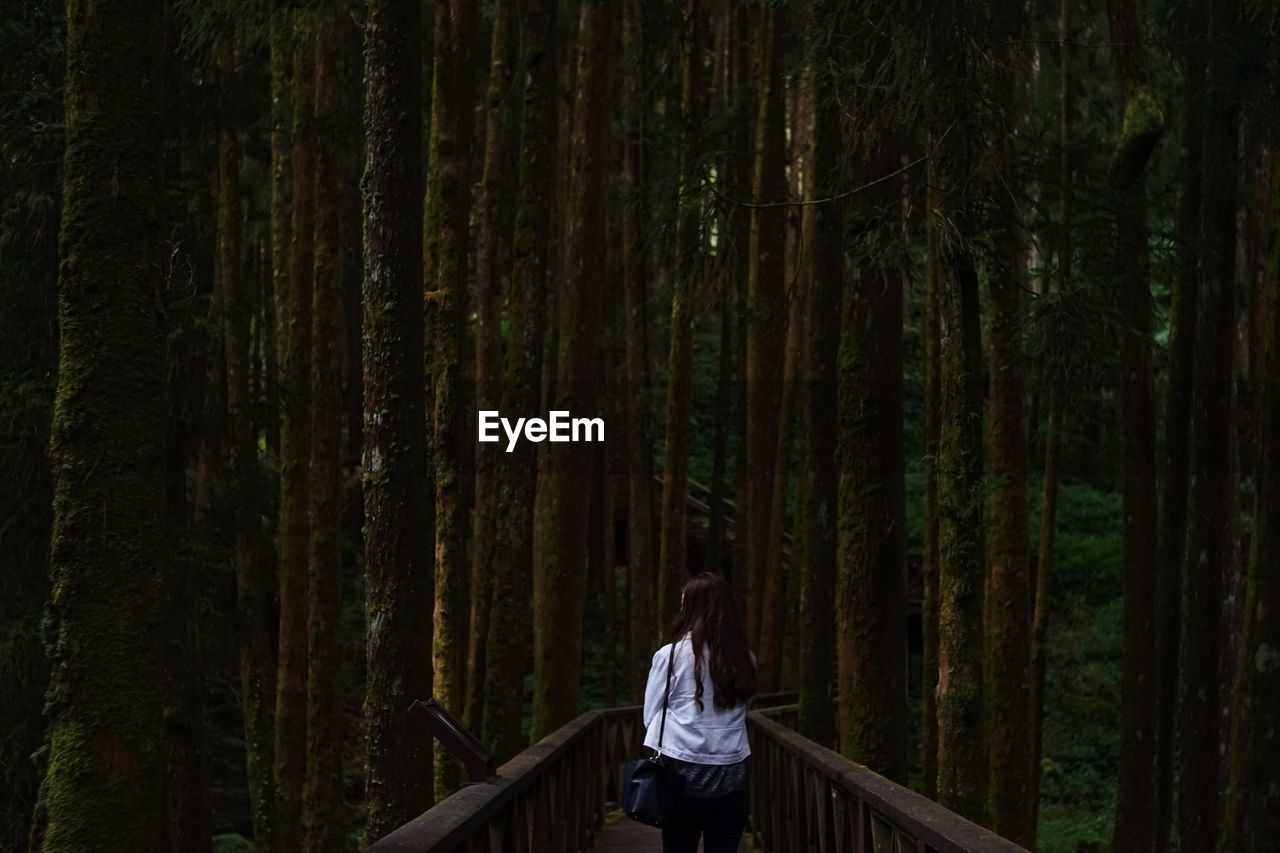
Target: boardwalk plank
pixel 627 836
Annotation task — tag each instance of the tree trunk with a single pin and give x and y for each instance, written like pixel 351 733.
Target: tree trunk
pixel 509 630
pixel 1044 564
pixel 107 729
pixel 714 561
pixel 560 558
pixel 453 122
pixel 673 557
pixel 871 596
pixel 323 809
pixel 929 592
pixel 277 280
pixel 1210 528
pixel 190 819
pixel 961 762
pixel 817 609
pixel 491 247
pixel 640 564
pixel 1252 820
pixel 766 315
pixel 738 178
pixel 1008 604
pixel 295 455
pixel 1143 125
pixel 1175 471
pixel 774 615
pixel 253 568
pixel 397 488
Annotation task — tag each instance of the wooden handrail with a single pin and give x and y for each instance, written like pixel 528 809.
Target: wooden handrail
pixel 808 797
pixel 552 797
pixel 455 737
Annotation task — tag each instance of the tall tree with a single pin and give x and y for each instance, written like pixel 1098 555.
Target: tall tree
pixel 106 736
pixel 1008 596
pixel 817 628
pixel 1050 472
pixel 509 630
pixel 295 457
pixel 252 555
pixel 1252 817
pixel 775 614
pixel 491 246
pixel 1210 527
pixel 1175 470
pixel 640 562
pixel 280 38
pixel 322 800
pixel 766 309
pixel 1143 124
pixel 929 569
pixel 397 488
pixel 961 761
pixel 452 123
pixel 871 597
pixel 560 554
pixel 673 557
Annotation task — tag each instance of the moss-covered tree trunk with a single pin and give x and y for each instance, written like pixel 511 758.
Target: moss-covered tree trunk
pixel 1143 124
pixel 640 557
pixel 766 313
pixel 1252 816
pixel 452 124
pixel 323 809
pixel 1008 547
pixel 106 735
pixel 673 557
pixel 295 457
pixel 509 631
pixel 560 553
pixel 397 487
pixel 1175 467
pixel 253 567
pixel 871 596
pixel 1210 527
pixel 491 249
pixel 961 758
pixel 817 608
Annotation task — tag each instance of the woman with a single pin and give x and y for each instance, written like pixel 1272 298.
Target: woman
pixel 713 676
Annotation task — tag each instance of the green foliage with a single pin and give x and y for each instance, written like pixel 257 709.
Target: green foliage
pixel 1083 679
pixel 232 843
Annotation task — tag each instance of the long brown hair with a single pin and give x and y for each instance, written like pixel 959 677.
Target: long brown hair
pixel 709 615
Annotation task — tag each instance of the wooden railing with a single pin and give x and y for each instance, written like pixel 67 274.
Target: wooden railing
pixel 807 797
pixel 552 798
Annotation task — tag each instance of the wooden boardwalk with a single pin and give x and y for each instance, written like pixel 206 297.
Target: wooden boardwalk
pixel 627 836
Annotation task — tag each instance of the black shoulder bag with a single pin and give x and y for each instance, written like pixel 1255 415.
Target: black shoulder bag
pixel 650 787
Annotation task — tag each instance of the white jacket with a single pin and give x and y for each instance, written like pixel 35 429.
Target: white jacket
pixel 709 736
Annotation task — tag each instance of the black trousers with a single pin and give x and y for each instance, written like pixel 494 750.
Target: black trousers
pixel 718 821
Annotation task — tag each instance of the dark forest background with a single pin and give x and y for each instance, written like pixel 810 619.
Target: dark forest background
pixel 946 330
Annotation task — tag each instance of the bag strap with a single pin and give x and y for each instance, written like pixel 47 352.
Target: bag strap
pixel 666 696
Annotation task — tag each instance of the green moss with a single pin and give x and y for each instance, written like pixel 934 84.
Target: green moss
pixel 1143 117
